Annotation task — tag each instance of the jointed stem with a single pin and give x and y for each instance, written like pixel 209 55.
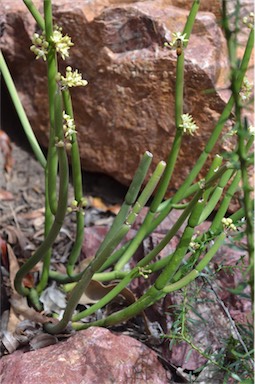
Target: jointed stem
pixel 78 193
pixel 60 214
pixel 242 129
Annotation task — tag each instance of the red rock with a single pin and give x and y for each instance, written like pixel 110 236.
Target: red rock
pixel 128 106
pixel 92 356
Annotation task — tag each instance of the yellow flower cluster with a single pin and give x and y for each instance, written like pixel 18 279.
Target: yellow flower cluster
pixel 194 246
pixel 68 127
pixel 228 223
pixel 246 90
pixel 40 46
pixel 62 43
pixel 76 206
pixel 72 79
pixel 249 20
pixel 188 125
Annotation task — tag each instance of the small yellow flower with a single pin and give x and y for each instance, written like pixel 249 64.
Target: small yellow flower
pixel 188 125
pixel 72 79
pixel 62 43
pixel 74 203
pixel 144 272
pixel 177 42
pixel 176 37
pixel 83 202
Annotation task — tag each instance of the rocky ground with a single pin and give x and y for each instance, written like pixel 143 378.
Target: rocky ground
pixel 149 358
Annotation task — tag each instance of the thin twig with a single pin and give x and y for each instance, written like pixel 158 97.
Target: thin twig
pixel 12 214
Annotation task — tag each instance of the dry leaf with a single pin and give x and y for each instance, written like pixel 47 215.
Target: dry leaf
pixel 15 235
pixel 37 217
pixel 6 195
pixel 38 222
pixel 21 308
pixel 96 291
pixel 42 340
pixel 53 299
pixel 13 265
pixel 25 331
pixel 6 149
pixel 32 215
pixel 9 342
pixel 13 321
pixel 98 203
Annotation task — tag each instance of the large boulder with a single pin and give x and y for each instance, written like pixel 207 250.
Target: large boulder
pixel 128 106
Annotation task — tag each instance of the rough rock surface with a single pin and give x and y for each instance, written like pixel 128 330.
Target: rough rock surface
pixel 128 106
pixel 92 356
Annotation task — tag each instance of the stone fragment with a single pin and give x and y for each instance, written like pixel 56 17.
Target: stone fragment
pixel 92 356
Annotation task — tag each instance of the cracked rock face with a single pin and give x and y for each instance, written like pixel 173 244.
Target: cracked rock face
pixel 92 356
pixel 128 106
